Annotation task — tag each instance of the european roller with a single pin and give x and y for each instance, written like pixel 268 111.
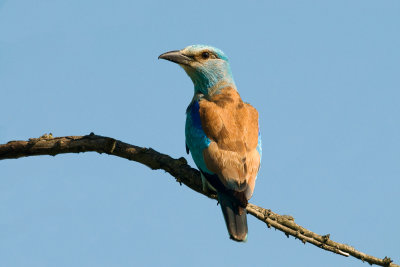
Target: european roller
pixel 222 133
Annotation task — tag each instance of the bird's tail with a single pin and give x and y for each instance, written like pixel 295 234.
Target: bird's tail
pixel 235 217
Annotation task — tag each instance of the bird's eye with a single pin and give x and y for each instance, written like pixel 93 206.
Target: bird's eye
pixel 205 55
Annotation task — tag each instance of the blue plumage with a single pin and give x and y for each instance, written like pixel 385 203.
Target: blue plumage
pixel 196 139
pixel 259 145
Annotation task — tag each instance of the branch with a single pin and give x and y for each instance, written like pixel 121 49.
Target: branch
pixel 183 173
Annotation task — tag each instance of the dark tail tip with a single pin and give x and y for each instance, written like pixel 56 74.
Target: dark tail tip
pixel 235 218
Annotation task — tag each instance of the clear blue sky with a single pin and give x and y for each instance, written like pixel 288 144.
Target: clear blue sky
pixel 324 76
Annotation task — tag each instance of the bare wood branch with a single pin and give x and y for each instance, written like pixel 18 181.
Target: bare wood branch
pixel 178 168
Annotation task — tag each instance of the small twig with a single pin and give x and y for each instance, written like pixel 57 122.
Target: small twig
pixel 183 173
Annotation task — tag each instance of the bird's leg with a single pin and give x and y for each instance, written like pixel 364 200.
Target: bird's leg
pixel 207 187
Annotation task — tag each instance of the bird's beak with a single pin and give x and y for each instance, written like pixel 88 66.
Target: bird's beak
pixel 177 57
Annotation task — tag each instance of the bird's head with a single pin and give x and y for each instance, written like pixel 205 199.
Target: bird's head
pixel 207 66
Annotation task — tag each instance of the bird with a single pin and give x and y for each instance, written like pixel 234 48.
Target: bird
pixel 222 133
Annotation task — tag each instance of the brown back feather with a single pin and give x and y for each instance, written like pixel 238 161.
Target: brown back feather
pixel 232 126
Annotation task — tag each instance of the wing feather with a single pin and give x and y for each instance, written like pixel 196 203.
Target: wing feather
pixel 232 127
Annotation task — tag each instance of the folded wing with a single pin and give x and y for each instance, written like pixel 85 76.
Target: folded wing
pixel 232 127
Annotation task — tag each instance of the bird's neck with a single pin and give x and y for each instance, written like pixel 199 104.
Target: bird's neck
pixel 217 89
pixel 207 93
pixel 210 85
pixel 210 81
pixel 210 88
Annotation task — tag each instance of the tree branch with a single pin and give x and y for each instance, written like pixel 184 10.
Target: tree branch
pixel 183 173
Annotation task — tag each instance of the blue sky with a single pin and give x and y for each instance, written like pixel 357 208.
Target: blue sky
pixel 324 76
